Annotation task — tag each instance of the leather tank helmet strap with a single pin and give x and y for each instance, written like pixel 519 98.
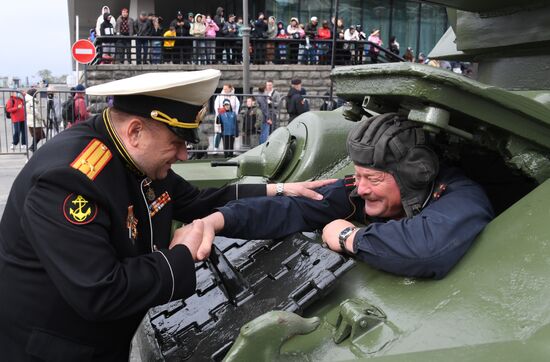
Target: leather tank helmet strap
pixel 393 144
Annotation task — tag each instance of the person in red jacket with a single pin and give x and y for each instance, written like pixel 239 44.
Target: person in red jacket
pixel 16 109
pixel 80 111
pixel 324 33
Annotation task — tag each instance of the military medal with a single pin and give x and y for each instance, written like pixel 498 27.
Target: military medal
pixel 131 223
pixel 159 203
pixel 149 192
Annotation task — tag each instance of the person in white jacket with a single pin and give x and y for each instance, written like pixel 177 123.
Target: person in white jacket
pixel 104 9
pixel 35 118
pixel 351 35
pixel 228 92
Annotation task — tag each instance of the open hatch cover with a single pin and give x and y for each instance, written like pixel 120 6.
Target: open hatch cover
pixel 243 280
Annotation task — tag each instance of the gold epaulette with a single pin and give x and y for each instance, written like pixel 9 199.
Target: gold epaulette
pixel 92 159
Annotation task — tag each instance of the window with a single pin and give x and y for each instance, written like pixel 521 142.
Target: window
pixel 405 24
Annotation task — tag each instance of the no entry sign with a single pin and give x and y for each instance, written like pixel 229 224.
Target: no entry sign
pixel 83 51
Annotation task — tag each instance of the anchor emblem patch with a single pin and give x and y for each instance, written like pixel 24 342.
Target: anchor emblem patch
pixel 79 211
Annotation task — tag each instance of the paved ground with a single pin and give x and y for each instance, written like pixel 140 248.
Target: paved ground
pixel 10 165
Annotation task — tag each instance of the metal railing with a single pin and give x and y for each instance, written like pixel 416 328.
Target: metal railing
pixel 202 50
pixel 47 113
pixel 250 132
pixel 45 116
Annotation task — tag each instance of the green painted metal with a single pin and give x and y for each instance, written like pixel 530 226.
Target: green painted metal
pixel 202 174
pixel 494 305
pixel 409 85
pixel 496 296
pixel 310 145
pixel 275 327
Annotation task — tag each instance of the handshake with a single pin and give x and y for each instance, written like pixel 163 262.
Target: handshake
pixel 199 235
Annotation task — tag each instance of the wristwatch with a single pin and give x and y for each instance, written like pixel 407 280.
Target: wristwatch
pixel 343 236
pixel 279 189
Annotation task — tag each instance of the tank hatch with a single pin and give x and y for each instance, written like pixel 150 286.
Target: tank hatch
pixel 241 281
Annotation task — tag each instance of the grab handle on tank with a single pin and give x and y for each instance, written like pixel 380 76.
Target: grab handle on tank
pixel 224 163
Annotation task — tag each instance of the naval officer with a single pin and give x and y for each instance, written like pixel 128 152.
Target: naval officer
pixel 85 246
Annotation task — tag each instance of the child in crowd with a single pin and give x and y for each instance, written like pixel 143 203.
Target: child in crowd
pixel 169 45
pixel 230 128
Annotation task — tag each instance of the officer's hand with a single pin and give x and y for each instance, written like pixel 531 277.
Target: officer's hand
pixel 301 188
pixel 191 236
pixel 331 232
pixel 212 224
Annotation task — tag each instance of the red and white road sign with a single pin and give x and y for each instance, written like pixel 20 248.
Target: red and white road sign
pixel 83 51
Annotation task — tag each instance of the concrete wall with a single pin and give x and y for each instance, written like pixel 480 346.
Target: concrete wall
pixel 315 79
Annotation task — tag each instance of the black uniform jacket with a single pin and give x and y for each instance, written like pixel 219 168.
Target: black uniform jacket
pixel 84 248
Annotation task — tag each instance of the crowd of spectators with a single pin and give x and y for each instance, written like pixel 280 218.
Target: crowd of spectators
pixel 206 39
pixel 41 115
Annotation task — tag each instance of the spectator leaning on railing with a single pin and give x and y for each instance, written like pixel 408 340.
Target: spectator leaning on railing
pixel 219 19
pixel 230 31
pixel 374 38
pixel 259 33
pixel 181 27
pixel 293 32
pixel 211 31
pixel 198 30
pixel 108 46
pixel 324 33
pixel 310 56
pixel 169 45
pixel 125 26
pixel 217 40
pixel 156 44
pixel 143 29
pixel 271 34
pixel 104 9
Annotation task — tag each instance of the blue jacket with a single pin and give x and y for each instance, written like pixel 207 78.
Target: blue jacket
pixel 229 124
pixel 426 245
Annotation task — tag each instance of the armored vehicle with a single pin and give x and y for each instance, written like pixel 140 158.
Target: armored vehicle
pixel 292 299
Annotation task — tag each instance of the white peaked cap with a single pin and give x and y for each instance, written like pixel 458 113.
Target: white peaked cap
pixel 193 88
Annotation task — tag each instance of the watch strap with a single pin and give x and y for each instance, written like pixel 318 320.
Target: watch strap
pixel 343 236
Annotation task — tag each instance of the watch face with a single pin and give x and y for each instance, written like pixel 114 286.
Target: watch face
pixel 346 232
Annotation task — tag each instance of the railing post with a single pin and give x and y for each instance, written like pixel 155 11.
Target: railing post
pixel 334 26
pixel 246 47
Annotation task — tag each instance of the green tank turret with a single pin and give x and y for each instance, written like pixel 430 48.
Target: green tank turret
pixel 494 303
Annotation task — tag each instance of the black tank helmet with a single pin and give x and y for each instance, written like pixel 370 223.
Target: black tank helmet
pixel 398 146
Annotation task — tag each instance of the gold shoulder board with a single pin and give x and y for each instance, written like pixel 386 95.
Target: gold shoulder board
pixel 92 159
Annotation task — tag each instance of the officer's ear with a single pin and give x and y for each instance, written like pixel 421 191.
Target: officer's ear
pixel 134 131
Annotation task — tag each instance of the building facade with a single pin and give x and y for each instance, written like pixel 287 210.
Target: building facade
pixel 415 24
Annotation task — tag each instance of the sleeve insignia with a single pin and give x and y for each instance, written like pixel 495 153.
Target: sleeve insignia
pixel 92 159
pixel 79 211
pixel 439 191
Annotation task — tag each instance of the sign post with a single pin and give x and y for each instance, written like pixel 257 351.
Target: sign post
pixel 83 51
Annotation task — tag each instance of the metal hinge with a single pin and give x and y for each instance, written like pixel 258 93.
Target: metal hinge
pixel 356 317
